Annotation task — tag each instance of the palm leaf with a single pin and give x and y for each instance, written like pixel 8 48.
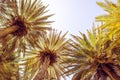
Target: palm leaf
pixel 23 21
pixel 89 54
pixel 46 57
pixel 110 20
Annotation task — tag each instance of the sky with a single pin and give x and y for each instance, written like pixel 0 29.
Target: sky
pixel 74 15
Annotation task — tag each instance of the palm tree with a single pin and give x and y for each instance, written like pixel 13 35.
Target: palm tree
pixel 48 55
pixel 93 57
pixel 44 61
pixel 111 20
pixel 22 22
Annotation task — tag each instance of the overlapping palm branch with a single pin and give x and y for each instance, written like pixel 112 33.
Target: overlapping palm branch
pixel 44 61
pixel 93 57
pixel 22 22
pixel 111 20
pixel 2 5
pixel 9 67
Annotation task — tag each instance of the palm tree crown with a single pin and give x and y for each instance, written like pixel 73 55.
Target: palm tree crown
pixel 45 60
pixel 93 57
pixel 22 21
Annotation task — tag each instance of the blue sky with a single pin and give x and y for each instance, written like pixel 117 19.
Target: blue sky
pixel 74 15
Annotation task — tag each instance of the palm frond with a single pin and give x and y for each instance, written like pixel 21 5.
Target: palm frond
pixel 22 23
pixel 44 61
pixel 90 55
pixel 112 19
pixel 9 67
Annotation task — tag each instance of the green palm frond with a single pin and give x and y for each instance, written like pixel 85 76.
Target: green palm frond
pixel 44 62
pixel 93 57
pixel 24 21
pixel 111 20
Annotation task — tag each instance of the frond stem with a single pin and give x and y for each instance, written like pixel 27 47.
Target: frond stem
pixel 43 72
pixel 6 31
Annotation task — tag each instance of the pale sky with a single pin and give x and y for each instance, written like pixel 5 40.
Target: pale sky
pixel 74 15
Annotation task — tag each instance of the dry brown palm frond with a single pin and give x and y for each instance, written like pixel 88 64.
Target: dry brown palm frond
pixel 44 62
pixel 93 57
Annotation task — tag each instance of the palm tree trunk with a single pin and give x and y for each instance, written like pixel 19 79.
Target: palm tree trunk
pixel 43 71
pixel 6 31
pixel 111 74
